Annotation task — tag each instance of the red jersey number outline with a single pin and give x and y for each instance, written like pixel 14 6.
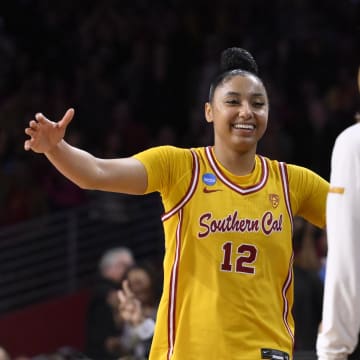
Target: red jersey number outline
pixel 244 262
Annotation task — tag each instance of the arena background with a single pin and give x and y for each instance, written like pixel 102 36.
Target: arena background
pixel 137 73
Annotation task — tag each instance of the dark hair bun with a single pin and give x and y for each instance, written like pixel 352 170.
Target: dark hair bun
pixel 238 58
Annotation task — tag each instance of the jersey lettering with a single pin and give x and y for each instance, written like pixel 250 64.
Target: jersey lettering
pixel 268 224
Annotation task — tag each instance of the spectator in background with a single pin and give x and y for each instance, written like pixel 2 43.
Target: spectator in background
pixel 138 306
pixel 308 288
pixel 103 327
pixel 70 353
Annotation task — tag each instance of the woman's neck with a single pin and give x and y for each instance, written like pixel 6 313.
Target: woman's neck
pixel 236 162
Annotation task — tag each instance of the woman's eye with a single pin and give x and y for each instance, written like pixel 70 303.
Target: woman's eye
pixel 259 104
pixel 232 102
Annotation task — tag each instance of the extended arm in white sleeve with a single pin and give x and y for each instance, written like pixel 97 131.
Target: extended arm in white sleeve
pixel 341 310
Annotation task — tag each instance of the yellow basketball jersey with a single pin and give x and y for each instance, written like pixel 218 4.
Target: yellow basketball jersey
pixel 228 282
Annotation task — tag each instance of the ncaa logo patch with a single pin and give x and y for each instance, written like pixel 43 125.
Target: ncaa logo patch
pixel 209 179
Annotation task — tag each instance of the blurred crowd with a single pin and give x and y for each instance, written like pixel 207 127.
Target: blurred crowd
pixel 63 353
pixel 117 326
pixel 138 72
pixel 121 312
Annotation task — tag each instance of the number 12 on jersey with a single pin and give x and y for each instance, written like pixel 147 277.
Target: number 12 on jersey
pixel 245 259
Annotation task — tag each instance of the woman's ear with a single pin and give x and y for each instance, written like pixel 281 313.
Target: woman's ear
pixel 208 112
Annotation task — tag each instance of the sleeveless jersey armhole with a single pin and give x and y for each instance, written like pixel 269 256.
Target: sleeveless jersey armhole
pixel 191 188
pixel 286 190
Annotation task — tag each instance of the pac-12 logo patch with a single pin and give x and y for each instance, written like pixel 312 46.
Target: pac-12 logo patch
pixel 209 179
pixel 274 199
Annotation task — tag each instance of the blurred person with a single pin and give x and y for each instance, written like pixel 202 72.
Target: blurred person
pixel 228 280
pixel 141 281
pixel 138 306
pixel 70 353
pixel 102 326
pixel 339 332
pixel 308 288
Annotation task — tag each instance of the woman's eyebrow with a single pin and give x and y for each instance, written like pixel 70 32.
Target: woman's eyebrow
pixel 235 93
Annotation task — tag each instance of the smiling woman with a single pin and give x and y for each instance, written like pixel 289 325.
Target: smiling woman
pixel 238 107
pixel 229 294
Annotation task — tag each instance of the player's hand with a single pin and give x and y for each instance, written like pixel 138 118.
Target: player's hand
pixel 45 134
pixel 130 307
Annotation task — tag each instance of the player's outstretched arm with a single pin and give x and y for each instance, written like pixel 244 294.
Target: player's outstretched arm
pixel 125 175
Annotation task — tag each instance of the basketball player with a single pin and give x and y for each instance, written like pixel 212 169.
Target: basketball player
pixel 228 285
pixel 341 312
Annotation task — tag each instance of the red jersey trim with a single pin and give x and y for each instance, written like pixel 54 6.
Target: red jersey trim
pixel 288 281
pixel 239 189
pixel 173 289
pixel 286 191
pixel 190 191
pixel 285 289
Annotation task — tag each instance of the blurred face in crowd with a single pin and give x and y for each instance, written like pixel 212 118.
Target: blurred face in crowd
pixel 239 110
pixel 118 266
pixel 140 284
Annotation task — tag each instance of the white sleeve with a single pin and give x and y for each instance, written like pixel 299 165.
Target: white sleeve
pixel 341 310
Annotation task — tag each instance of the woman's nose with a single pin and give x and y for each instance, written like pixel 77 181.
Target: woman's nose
pixel 245 111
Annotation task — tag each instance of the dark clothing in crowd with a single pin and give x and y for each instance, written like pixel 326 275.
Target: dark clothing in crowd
pixel 100 323
pixel 307 310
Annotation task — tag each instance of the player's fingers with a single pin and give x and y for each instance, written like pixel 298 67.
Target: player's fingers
pixel 64 122
pixel 41 118
pixel 27 144
pixel 30 132
pixel 33 124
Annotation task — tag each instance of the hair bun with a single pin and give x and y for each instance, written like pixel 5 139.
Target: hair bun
pixel 238 58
